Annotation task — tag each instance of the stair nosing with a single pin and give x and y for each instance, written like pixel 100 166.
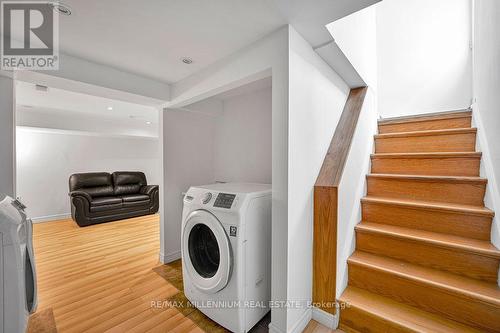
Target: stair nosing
pixel 456 290
pixel 430 178
pixel 426 133
pixel 398 320
pixel 430 155
pixel 431 205
pixel 461 113
pixel 364 227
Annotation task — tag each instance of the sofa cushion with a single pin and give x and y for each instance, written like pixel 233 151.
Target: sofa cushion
pixel 128 182
pixel 103 201
pixel 100 191
pixel 135 200
pixel 134 197
pixel 144 203
pixel 96 184
pixel 105 208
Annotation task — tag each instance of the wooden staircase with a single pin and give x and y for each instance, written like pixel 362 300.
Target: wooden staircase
pixel 423 260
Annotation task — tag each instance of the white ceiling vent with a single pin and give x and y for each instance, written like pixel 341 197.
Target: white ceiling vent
pixel 40 87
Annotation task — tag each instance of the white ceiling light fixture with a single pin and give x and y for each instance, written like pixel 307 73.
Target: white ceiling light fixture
pixel 148 123
pixel 60 8
pixel 187 60
pixel 110 108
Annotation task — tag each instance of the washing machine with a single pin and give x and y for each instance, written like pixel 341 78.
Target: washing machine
pixel 226 252
pixel 17 268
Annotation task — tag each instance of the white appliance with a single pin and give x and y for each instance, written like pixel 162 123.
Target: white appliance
pixel 226 252
pixel 17 268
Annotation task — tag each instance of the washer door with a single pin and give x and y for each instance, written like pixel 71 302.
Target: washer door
pixel 30 270
pixel 206 251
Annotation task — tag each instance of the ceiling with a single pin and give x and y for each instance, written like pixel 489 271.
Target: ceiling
pixel 265 83
pixel 62 109
pixel 214 105
pixel 150 37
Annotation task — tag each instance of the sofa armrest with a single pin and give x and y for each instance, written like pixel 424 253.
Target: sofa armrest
pixel 149 189
pixel 74 194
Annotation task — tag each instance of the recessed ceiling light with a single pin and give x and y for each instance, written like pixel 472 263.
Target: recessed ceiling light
pixel 148 122
pixel 110 108
pixel 60 8
pixel 187 60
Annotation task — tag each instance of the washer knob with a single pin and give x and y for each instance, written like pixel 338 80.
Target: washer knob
pixel 207 198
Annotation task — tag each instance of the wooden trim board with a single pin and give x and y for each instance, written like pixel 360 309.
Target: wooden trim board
pixel 325 203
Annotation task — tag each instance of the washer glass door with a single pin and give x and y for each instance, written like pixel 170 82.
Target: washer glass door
pixel 206 251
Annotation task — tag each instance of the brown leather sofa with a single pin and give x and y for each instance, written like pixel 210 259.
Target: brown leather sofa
pixel 102 197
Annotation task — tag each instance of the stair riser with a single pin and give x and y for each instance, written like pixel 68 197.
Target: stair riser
pixel 430 298
pixel 460 142
pixel 456 261
pixel 437 124
pixel 354 320
pixel 452 166
pixel 452 192
pixel 447 222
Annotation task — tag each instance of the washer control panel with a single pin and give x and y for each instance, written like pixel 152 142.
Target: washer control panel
pixel 224 200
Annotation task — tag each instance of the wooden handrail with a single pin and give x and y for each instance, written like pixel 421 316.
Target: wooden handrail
pixel 326 205
pixel 333 165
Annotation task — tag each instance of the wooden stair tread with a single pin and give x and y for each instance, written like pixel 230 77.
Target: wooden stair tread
pixel 428 155
pixel 432 205
pixel 466 287
pixel 435 179
pixel 427 133
pixel 402 314
pixel 436 163
pixel 475 246
pixel 426 117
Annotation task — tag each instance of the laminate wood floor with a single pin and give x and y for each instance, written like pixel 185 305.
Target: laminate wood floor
pixel 101 279
pixel 107 278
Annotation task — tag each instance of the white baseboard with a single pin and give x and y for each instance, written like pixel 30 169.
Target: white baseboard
pixel 50 218
pixel 167 258
pixel 274 329
pixel 299 326
pixel 326 319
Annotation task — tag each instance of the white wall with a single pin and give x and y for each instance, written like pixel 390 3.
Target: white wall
pixel 46 159
pixel 424 57
pixel 188 152
pixel 6 136
pixel 356 36
pixel 352 186
pixel 317 96
pixel 243 149
pixel 78 121
pixel 487 105
pixel 259 60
